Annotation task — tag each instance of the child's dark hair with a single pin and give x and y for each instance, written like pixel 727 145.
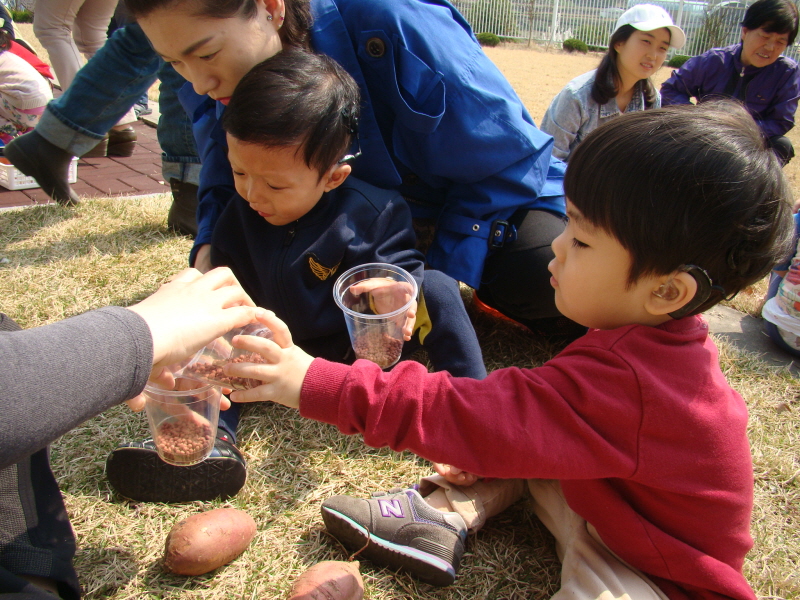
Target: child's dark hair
pixel 607 79
pixel 774 16
pixel 296 98
pixel 686 185
pixel 294 30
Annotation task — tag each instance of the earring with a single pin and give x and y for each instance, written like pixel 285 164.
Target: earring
pixel 269 17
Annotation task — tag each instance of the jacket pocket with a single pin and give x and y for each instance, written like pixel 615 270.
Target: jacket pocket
pixel 413 89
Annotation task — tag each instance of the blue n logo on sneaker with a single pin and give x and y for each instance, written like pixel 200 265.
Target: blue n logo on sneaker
pixel 391 508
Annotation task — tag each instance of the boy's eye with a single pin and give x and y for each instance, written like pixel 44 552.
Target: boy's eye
pixel 238 174
pixel 579 244
pixel 209 56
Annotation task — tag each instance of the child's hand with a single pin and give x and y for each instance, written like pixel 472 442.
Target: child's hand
pixel 455 475
pixel 285 369
pixel 386 296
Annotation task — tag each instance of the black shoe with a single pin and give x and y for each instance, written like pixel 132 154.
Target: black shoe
pixel 121 142
pixel 46 163
pixel 401 531
pixel 135 470
pixel 183 212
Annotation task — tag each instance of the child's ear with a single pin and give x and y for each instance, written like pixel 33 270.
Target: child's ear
pixel 337 176
pixel 673 292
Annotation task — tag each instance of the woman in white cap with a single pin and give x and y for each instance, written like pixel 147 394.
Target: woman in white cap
pixel 620 84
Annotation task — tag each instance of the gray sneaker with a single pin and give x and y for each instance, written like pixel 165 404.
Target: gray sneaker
pixel 398 529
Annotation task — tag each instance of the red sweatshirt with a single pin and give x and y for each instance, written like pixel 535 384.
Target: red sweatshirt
pixel 638 423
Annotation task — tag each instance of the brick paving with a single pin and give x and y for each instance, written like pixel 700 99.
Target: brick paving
pixel 137 175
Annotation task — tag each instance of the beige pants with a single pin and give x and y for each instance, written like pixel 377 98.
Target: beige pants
pixel 589 570
pixel 69 28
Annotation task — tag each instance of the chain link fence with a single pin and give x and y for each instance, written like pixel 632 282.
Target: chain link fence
pixel 707 24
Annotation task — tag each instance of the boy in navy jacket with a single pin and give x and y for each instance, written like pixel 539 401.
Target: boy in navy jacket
pixel 296 224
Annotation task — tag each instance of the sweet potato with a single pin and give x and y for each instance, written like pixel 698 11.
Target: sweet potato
pixel 329 580
pixel 208 540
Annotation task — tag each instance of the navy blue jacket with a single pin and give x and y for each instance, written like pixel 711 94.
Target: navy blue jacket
pixel 291 269
pixel 439 123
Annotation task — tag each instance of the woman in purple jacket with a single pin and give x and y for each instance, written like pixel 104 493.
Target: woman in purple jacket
pixel 753 72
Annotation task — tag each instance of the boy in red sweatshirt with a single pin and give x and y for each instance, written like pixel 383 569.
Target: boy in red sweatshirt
pixel 630 442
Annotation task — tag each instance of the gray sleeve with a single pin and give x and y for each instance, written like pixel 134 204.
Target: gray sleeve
pixel 563 120
pixel 57 376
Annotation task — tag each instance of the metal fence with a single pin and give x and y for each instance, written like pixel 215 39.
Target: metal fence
pixel 707 24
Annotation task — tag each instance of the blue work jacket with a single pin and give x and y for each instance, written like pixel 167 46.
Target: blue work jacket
pixel 439 123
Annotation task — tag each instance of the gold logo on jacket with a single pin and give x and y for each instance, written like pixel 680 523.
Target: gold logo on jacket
pixel 321 271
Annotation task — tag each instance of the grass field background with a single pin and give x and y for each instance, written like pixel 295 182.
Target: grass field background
pixel 63 262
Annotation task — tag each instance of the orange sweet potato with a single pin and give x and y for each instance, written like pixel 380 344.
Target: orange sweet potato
pixel 329 580
pixel 208 540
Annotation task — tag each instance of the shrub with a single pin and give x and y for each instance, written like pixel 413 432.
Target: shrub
pixel 573 44
pixel 677 61
pixel 22 16
pixel 488 39
pixel 595 34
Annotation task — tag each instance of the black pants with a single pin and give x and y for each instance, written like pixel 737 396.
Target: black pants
pixel 515 277
pixel 35 534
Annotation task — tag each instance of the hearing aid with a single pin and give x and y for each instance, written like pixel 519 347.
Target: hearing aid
pixel 704 289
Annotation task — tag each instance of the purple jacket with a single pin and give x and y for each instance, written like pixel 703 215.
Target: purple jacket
pixel 769 93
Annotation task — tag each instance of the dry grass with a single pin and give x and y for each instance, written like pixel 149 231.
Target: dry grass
pixel 63 262
pixel 115 251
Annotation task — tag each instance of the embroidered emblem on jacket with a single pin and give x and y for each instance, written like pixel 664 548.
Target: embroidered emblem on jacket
pixel 321 271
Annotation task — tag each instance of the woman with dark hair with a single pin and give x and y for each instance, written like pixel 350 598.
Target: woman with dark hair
pixel 621 84
pixel 752 71
pixel 439 123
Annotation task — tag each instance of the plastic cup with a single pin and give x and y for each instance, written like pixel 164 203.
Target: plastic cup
pixel 206 365
pixel 183 421
pixel 375 299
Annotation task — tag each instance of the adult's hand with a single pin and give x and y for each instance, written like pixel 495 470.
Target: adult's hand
pixel 193 309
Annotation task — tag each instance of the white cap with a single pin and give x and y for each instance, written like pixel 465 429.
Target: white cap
pixel 647 17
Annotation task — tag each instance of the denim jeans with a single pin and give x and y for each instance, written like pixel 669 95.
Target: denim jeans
pixel 107 87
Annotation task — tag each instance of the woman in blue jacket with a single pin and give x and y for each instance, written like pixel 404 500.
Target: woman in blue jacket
pixel 440 124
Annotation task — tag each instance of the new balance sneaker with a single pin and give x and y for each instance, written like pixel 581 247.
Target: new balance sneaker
pixel 135 470
pixel 398 529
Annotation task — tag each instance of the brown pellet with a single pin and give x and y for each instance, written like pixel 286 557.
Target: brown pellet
pixel 183 442
pixel 380 348
pixel 213 373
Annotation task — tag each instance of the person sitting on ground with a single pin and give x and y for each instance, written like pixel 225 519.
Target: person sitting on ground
pixel 781 310
pixel 297 223
pixel 631 442
pixel 73 370
pixel 621 84
pixel 24 92
pixel 752 71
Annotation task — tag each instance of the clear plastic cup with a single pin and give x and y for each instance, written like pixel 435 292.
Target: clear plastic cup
pixel 375 299
pixel 183 421
pixel 206 365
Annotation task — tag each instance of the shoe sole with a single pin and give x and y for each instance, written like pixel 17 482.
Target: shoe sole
pixel 422 565
pixel 139 474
